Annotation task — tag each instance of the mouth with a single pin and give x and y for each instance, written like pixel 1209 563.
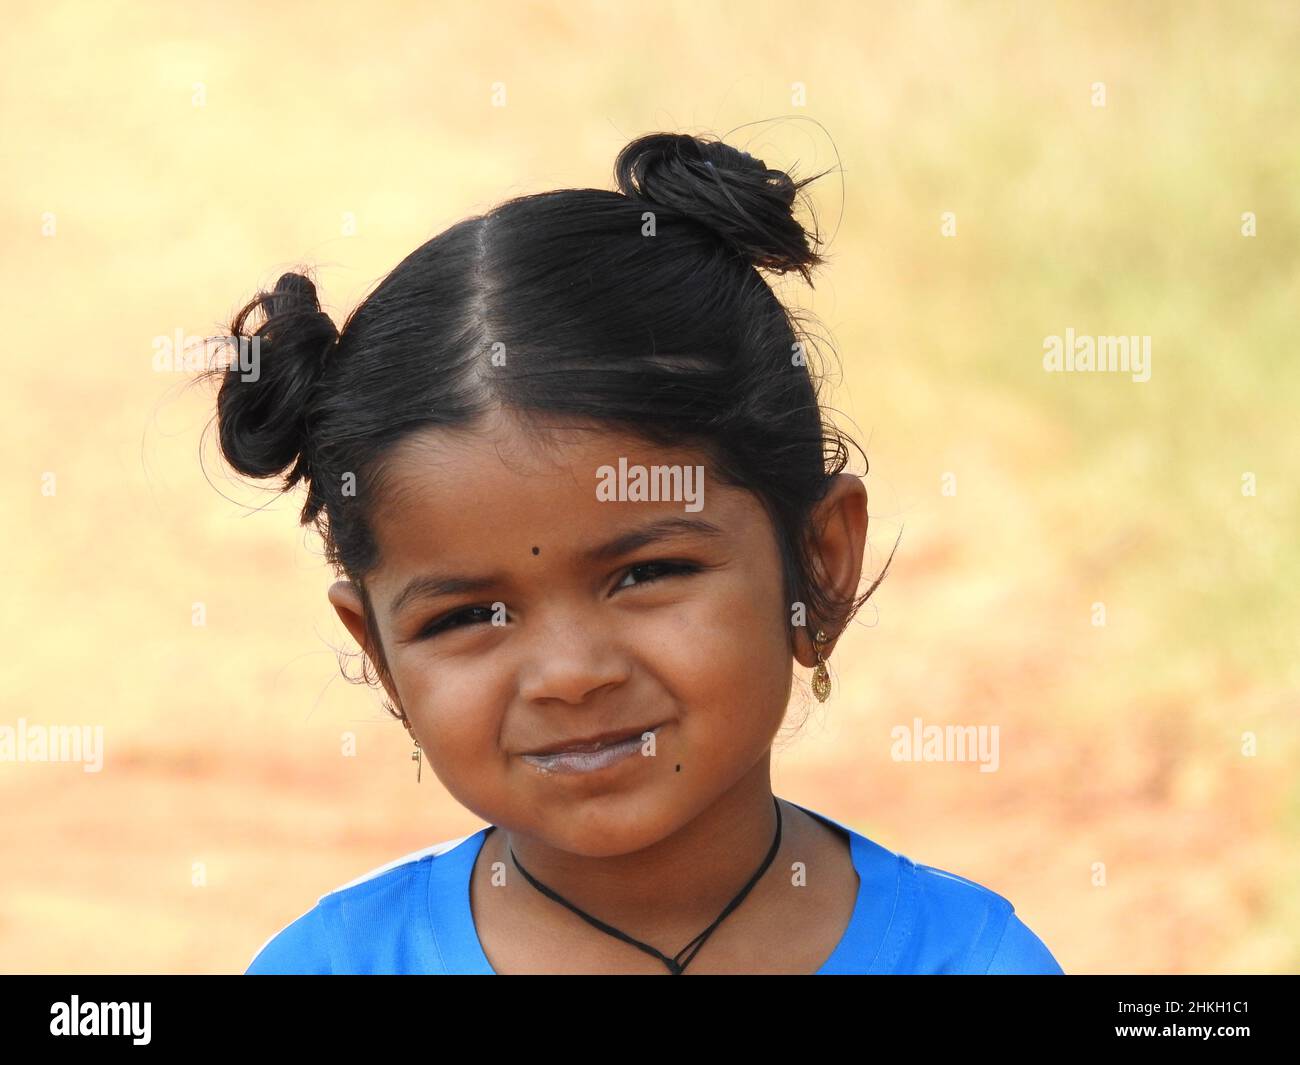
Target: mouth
pixel 592 744
pixel 591 755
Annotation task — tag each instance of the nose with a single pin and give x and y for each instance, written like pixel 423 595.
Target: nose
pixel 571 657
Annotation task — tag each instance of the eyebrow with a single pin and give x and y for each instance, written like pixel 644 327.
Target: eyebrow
pixel 432 585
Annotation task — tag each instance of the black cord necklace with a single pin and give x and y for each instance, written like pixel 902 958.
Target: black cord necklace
pixel 675 967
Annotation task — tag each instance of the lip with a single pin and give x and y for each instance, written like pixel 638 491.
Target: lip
pixel 588 763
pixel 591 744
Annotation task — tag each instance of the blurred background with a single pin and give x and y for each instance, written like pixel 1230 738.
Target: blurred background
pixel 1102 568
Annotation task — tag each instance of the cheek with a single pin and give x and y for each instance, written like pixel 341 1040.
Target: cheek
pixel 457 715
pixel 725 658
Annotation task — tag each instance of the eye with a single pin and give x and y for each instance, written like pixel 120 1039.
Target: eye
pixel 451 621
pixel 659 570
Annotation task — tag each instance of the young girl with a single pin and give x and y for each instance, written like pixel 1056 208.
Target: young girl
pixel 569 460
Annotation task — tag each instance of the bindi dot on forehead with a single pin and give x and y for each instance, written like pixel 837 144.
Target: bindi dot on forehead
pixel 537 550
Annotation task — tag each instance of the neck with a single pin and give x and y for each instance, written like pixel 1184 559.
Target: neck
pixel 681 881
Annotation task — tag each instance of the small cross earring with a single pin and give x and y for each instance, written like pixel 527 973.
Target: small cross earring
pixel 415 757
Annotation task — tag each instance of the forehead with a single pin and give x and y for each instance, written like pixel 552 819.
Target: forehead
pixel 461 493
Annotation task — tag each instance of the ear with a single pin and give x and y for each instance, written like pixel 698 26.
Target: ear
pixel 839 541
pixel 346 600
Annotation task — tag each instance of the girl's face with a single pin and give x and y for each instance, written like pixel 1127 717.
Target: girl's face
pixel 682 627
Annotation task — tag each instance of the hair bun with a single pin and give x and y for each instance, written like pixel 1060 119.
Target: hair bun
pixel 263 419
pixel 748 204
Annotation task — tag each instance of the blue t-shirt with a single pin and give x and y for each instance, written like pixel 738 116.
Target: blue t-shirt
pixel 413 916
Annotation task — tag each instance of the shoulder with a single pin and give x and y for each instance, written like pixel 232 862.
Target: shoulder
pixel 914 918
pixel 960 926
pixel 373 923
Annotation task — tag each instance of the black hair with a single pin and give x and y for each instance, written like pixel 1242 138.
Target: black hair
pixel 640 309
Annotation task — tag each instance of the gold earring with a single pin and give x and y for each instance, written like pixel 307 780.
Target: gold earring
pixel 821 678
